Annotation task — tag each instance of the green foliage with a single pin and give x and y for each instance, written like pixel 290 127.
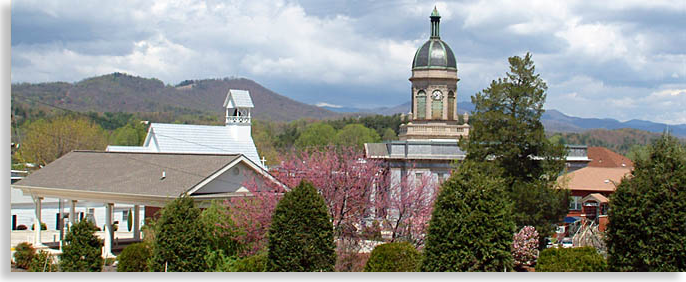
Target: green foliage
pixel 129 220
pixel 647 218
pixel 389 134
pixel 316 135
pixel 355 135
pixel 81 250
pixel 506 128
pixel 301 236
pixel 393 257
pixel 42 226
pixel 23 255
pixel 584 259
pixel 131 134
pixel 471 225
pixel 134 258
pixel 218 261
pixel 223 248
pixel 637 152
pixel 47 140
pixel 255 263
pixel 181 239
pixel 622 141
pixel 42 262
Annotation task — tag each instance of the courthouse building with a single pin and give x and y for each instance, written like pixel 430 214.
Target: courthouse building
pixel 429 136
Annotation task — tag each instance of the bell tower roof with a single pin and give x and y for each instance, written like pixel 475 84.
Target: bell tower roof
pixel 434 53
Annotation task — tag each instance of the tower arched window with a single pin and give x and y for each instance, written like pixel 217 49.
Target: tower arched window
pixel 451 105
pixel 421 104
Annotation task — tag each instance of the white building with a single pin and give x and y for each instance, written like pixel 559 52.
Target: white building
pixel 38 196
pixel 232 138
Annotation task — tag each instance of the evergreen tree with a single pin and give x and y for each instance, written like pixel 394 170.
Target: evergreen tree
pixel 506 129
pixel 471 225
pixel 648 212
pixel 301 236
pixel 181 241
pixel 82 250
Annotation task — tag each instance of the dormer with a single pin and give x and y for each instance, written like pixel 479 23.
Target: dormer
pixel 238 105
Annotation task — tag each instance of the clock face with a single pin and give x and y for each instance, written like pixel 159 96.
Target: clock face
pixel 437 95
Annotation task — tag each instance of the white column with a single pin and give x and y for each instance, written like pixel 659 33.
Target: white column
pixel 37 223
pixel 72 213
pixel 109 207
pixel 136 222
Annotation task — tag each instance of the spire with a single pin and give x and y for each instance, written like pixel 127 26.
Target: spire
pixel 435 21
pixel 435 13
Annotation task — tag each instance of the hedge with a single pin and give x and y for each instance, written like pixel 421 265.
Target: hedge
pixel 583 259
pixel 393 257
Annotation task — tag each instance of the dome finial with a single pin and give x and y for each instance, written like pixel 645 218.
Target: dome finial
pixel 435 13
pixel 435 21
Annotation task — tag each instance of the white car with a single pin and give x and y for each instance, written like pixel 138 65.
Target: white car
pixel 567 243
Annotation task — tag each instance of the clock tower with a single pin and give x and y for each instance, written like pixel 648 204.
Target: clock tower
pixel 434 91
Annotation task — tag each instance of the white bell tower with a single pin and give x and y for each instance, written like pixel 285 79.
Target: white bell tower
pixel 238 106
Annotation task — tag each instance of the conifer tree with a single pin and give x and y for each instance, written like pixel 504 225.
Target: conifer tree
pixel 82 250
pixel 648 212
pixel 301 236
pixel 507 130
pixel 181 242
pixel 471 225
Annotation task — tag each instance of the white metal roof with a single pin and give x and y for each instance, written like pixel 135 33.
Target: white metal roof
pixel 238 99
pixel 112 148
pixel 186 138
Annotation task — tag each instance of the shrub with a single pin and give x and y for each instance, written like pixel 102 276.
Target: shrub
pixel 180 241
pixel 584 259
pixel 134 258
pixel 24 253
pixel 223 232
pixel 81 250
pixel 42 262
pixel 42 226
pixel 254 263
pixel 22 227
pixel 218 261
pixel 647 216
pixel 471 225
pixel 301 235
pixel 393 257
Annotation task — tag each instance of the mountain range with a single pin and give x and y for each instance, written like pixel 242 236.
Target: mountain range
pixel 553 120
pixel 122 92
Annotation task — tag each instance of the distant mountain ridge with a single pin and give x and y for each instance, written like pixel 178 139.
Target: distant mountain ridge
pixel 553 120
pixel 119 92
pixel 126 93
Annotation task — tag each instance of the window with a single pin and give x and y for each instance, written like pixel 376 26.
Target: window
pixel 575 203
pixel 421 105
pixel 451 105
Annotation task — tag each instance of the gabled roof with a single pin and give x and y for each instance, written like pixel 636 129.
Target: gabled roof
pixel 187 138
pixel 604 157
pixel 238 99
pixel 127 173
pixel 138 178
pixel 596 178
pixel 597 197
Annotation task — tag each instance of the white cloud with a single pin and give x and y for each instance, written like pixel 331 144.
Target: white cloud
pixel 600 59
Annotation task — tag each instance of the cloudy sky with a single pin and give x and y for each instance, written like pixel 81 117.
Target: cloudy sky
pixel 615 59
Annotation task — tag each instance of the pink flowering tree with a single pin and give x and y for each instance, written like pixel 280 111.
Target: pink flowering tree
pixel 251 215
pixel 357 191
pixel 343 176
pixel 525 246
pixel 405 205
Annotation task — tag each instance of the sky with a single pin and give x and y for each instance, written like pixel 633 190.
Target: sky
pixel 606 59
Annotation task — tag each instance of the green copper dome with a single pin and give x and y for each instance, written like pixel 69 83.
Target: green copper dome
pixel 435 53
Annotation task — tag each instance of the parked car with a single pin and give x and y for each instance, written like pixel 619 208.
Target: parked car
pixel 567 242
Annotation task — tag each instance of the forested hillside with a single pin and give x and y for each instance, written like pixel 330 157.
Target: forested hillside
pixel 120 92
